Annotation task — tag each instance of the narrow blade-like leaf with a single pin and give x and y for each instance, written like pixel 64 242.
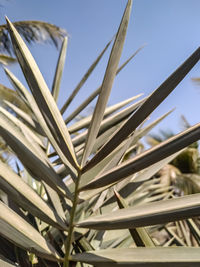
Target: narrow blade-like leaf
pixel 43 96
pixel 26 197
pixel 16 229
pixel 107 83
pixel 19 86
pixel 59 70
pixel 55 200
pixel 36 163
pixel 32 31
pixel 146 109
pixel 30 122
pixel 107 123
pixel 139 235
pixel 194 229
pixel 7 60
pixel 6 263
pixel 127 188
pixel 147 158
pixel 147 214
pixel 84 123
pixel 84 79
pixel 148 257
pixel 22 126
pixel 11 96
pixel 96 92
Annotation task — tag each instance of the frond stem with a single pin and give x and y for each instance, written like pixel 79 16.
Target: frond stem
pixel 71 223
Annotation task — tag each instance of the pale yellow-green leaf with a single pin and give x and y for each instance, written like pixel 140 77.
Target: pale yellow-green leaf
pixel 36 163
pixel 83 123
pixel 22 126
pixel 140 235
pixel 26 197
pixel 84 79
pixel 147 158
pixel 43 96
pixel 109 122
pixel 146 214
pixel 96 92
pixel 30 122
pixel 107 83
pixel 16 229
pixel 7 60
pixel 146 109
pixel 148 257
pixel 6 263
pixel 59 70
pixel 33 105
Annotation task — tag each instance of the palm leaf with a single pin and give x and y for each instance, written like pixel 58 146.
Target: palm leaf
pixel 25 129
pixel 130 186
pixel 11 96
pixel 149 257
pixel 41 92
pixel 6 263
pixel 24 196
pixel 84 79
pixel 27 120
pixel 140 235
pixel 147 108
pixel 73 207
pixel 32 158
pixel 107 83
pixel 147 158
pixel 7 60
pixel 97 91
pixel 59 70
pixel 84 123
pixel 146 214
pixel 109 122
pixel 16 229
pixel 34 107
pixel 32 31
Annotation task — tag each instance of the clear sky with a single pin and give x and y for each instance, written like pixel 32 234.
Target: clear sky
pixel 170 28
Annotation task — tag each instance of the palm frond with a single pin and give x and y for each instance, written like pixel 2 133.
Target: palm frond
pixel 5 60
pixel 7 94
pixel 32 31
pixel 58 202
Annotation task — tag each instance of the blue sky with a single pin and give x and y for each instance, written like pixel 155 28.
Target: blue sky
pixel 169 28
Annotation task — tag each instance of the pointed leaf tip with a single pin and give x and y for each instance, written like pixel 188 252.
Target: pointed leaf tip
pixel 152 102
pixel 107 83
pixel 9 23
pixel 43 97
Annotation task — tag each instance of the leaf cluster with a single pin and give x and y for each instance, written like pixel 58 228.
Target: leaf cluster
pixel 75 197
